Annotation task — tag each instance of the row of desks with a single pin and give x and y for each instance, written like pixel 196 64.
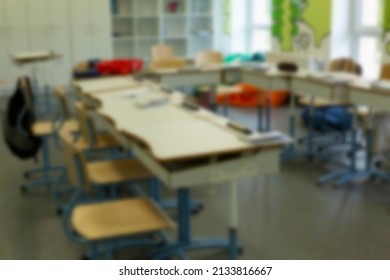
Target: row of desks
pixel 187 148
pixel 184 148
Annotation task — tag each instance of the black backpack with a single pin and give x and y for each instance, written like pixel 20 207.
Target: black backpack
pixel 18 121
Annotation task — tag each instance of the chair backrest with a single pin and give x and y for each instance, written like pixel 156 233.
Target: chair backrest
pixel 87 124
pixel 346 65
pixel 62 103
pixel 208 58
pixel 169 63
pixel 27 92
pixel 385 72
pixel 74 159
pixel 162 52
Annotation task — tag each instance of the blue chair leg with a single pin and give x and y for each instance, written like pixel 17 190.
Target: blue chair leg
pixel 46 172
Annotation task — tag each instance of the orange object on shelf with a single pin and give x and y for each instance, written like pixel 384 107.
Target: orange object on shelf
pixel 250 97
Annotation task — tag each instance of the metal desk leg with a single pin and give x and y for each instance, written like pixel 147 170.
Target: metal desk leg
pixel 291 153
pixel 268 110
pixel 213 96
pixel 233 221
pixel 185 242
pixel 154 189
pixel 369 172
pixel 352 168
pixel 260 126
pixel 226 105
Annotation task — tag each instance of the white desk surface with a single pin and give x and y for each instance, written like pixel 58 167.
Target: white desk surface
pixel 172 132
pixel 104 84
pixel 26 57
pixel 369 87
pixel 194 69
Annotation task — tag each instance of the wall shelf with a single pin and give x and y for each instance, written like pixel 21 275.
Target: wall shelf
pixel 138 25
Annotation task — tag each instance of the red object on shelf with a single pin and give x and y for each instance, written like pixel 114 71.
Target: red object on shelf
pixel 172 6
pixel 119 66
pixel 250 97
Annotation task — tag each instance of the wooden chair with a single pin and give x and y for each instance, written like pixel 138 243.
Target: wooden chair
pixel 168 64
pixel 163 58
pixel 91 138
pixel 385 72
pixel 208 58
pixel 107 223
pixel 162 52
pixel 65 115
pixel 44 130
pixel 344 65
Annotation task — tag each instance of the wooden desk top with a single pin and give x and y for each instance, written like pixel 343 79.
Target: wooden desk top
pixel 192 70
pixel 104 84
pixel 171 131
pixel 371 87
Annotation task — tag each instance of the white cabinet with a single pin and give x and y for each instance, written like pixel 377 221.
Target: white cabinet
pixel 187 26
pixel 13 37
pixel 90 29
pixel 76 29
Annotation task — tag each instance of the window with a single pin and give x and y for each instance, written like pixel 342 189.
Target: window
pixel 259 24
pixel 366 38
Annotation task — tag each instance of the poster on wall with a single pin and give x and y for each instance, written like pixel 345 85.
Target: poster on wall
pixel 302 26
pixel 386 31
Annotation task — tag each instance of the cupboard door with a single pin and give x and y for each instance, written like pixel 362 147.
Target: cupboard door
pixel 17 42
pixel 16 14
pixel 81 45
pixel 80 14
pixel 102 43
pixel 38 15
pixel 61 68
pixel 59 13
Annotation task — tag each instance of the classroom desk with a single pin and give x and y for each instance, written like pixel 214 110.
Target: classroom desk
pixel 186 149
pixel 195 76
pixel 267 80
pixel 376 98
pixel 102 84
pixel 330 89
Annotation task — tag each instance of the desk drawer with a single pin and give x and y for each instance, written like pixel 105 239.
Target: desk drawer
pixel 373 100
pixel 191 79
pixel 310 88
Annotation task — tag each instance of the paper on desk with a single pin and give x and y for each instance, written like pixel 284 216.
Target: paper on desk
pixel 151 102
pixel 135 93
pixel 263 138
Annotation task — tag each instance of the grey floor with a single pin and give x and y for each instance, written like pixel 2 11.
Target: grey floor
pixel 283 216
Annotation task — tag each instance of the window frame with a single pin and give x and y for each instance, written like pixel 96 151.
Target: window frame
pixel 359 31
pixel 252 27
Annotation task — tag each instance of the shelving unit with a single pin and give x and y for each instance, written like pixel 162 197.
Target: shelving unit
pixel 187 25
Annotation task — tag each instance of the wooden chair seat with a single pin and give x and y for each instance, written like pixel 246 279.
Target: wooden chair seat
pixel 104 140
pixel 45 128
pixel 320 102
pixel 119 218
pixel 115 171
